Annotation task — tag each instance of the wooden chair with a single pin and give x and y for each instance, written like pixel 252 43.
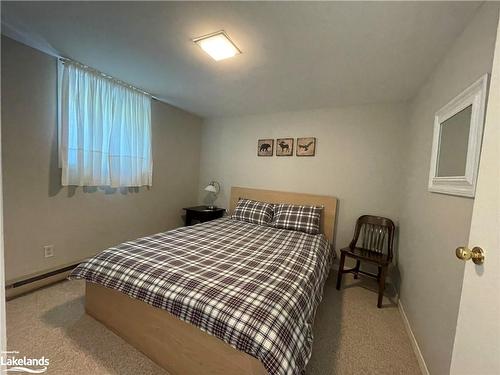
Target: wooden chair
pixel 375 232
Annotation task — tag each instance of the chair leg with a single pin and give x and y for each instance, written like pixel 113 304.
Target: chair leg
pixel 341 269
pixel 356 270
pixel 381 285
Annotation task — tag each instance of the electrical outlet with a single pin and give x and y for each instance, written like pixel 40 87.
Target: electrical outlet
pixel 48 251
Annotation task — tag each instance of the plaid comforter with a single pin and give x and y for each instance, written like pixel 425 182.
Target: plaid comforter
pixel 253 286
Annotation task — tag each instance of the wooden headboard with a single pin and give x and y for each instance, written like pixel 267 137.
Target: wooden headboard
pixel 271 196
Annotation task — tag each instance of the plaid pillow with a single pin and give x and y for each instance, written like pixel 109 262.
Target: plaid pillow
pixel 301 218
pixel 253 212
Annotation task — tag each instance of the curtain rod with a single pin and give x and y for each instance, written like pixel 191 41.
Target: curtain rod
pixel 107 76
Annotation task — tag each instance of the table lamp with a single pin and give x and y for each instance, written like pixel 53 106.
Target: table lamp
pixel 214 188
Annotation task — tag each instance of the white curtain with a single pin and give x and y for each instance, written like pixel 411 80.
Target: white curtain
pixel 104 130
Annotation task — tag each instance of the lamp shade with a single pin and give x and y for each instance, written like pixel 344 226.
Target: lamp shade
pixel 211 188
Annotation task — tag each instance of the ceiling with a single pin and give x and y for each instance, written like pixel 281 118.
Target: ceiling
pixel 296 55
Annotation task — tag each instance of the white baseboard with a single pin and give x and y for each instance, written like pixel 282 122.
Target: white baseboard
pixel 413 341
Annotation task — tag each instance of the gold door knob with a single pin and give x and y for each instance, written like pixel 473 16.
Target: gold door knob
pixel 476 254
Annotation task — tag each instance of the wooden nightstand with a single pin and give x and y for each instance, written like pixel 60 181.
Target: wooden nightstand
pixel 202 214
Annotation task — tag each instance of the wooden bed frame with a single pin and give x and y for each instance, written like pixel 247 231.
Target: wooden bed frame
pixel 177 346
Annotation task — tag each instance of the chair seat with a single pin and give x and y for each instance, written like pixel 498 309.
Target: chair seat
pixel 365 254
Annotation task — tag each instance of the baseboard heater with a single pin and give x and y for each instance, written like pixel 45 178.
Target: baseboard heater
pixel 16 288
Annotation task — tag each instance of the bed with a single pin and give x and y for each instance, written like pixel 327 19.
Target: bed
pixel 222 297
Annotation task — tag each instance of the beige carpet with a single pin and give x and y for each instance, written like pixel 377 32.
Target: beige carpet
pixel 352 336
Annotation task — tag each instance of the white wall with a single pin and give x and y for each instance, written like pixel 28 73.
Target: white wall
pixel 357 158
pixel 433 225
pixel 79 222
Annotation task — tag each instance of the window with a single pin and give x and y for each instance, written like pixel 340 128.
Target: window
pixel 104 130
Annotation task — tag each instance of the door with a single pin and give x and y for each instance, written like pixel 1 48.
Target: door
pixel 477 340
pixel 3 333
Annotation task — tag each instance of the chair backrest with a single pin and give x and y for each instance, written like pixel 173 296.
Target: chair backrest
pixel 375 233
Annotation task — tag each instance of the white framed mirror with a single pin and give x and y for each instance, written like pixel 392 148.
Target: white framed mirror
pixel 456 145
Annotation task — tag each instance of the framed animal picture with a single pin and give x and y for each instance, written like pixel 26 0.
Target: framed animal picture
pixel 284 147
pixel 265 147
pixel 306 146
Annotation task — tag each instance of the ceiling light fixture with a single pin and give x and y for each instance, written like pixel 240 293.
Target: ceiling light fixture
pixel 218 45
